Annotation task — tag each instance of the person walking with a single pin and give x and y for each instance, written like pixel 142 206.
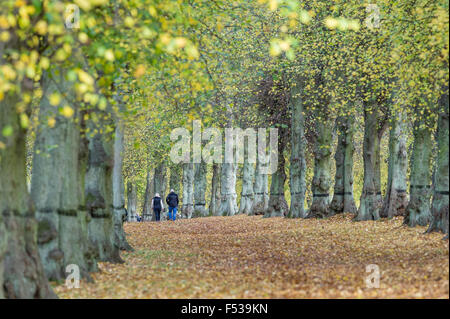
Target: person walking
pixel 172 202
pixel 157 206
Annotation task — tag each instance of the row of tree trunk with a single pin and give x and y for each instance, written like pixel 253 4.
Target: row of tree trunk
pixel 22 274
pixel 256 199
pixel 254 196
pixel 74 212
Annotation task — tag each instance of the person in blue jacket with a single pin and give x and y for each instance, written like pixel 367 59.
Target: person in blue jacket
pixel 172 202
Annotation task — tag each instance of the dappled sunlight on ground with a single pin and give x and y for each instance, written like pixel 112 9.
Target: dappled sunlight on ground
pixel 253 257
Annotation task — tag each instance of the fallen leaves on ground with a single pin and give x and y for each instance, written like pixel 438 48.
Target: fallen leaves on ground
pixel 255 257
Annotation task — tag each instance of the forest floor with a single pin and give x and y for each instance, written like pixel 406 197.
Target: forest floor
pixel 253 257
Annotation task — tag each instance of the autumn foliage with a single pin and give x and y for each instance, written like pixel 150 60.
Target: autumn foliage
pixel 253 257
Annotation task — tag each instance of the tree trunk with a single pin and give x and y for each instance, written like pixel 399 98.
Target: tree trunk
pixel 23 274
pixel 99 196
pixel 396 200
pixel 277 206
pixel 297 171
pixel 214 204
pixel 188 190
pixel 343 201
pixel 149 193
pixel 131 202
pixel 159 181
pixel 228 204
pixel 418 209
pixel 247 194
pixel 261 188
pixel 85 217
pixel 175 177
pixel 3 243
pixel 119 191
pixel 371 201
pixel 439 206
pixel 62 219
pixel 321 182
pixel 200 190
pixel 228 196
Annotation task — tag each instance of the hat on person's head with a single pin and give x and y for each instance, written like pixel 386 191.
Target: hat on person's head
pixel 157 195
pixel 172 191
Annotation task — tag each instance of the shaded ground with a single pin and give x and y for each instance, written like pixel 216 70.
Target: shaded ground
pixel 252 257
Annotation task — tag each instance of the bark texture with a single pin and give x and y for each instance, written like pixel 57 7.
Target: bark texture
pixel 228 197
pixel 188 190
pixel 439 206
pixel 131 202
pixel 396 200
pixel 119 213
pixel 215 190
pixel 277 206
pixel 261 188
pixel 159 180
pixel 321 182
pixel 92 256
pixel 371 200
pixel 175 177
pixel 57 167
pixel 149 192
pixel 247 194
pixel 297 170
pixel 99 196
pixel 343 201
pixel 23 274
pixel 3 241
pixel 200 190
pixel 418 209
pixel 228 204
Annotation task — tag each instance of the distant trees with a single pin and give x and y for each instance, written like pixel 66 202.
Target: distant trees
pixel 344 72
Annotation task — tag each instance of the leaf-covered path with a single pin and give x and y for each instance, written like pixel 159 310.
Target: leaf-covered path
pixel 253 257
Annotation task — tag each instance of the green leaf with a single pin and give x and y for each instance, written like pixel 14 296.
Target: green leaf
pixel 7 130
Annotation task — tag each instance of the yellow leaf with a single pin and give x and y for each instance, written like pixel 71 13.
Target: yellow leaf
pixel 51 122
pixel 54 99
pixel 140 70
pixel 67 111
pixel 85 77
pixel 109 55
